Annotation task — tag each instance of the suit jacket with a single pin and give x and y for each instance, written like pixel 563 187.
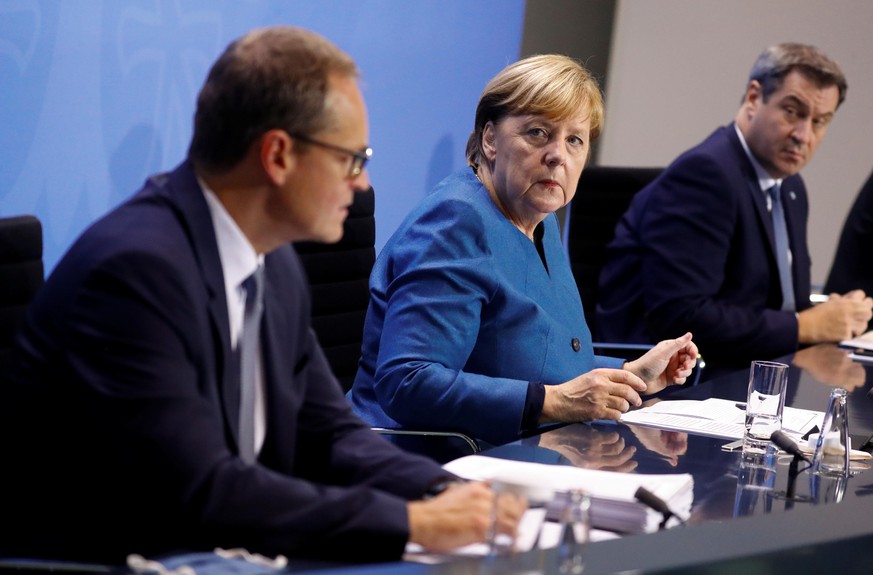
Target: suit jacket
pixel 851 268
pixel 126 417
pixel 464 314
pixel 695 251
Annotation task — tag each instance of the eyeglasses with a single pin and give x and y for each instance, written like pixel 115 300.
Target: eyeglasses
pixel 359 159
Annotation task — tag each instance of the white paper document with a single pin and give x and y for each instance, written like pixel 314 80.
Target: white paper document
pixel 613 504
pixel 862 342
pixel 531 530
pixel 861 357
pixel 714 417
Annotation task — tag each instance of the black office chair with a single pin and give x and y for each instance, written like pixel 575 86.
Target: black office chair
pixel 21 275
pixel 339 277
pixel 603 194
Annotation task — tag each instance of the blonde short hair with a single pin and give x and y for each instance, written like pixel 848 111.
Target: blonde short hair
pixel 552 85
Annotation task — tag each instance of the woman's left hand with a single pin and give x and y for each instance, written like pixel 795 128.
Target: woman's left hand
pixel 668 363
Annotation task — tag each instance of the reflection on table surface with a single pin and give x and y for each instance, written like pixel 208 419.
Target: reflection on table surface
pixel 727 484
pixel 763 514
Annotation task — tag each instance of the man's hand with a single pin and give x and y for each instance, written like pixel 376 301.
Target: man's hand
pixel 841 317
pixel 668 363
pixel 461 515
pixel 831 365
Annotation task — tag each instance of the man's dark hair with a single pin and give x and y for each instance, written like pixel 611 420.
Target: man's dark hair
pixel 271 78
pixel 778 61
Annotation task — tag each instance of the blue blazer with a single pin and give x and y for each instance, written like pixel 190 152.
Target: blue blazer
pixel 128 417
pixel 463 315
pixel 695 252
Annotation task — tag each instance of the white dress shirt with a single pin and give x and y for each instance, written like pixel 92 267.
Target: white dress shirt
pixel 765 180
pixel 239 260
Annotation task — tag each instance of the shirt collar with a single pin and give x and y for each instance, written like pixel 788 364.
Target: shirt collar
pixel 238 257
pixel 765 180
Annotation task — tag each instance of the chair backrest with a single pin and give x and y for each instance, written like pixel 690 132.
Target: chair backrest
pixel 21 274
pixel 339 278
pixel 603 194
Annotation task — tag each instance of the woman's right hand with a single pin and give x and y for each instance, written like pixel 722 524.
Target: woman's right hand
pixel 590 448
pixel 599 394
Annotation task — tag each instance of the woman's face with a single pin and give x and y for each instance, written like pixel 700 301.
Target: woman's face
pixel 535 163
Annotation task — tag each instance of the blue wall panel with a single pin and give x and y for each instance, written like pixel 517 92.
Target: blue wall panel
pixel 95 96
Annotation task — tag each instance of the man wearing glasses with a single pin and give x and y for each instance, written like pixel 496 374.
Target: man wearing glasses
pixel 167 393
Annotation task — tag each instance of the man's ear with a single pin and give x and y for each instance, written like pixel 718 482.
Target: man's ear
pixel 277 155
pixel 754 95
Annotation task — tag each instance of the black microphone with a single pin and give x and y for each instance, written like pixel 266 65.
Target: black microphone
pixel 651 500
pixel 785 443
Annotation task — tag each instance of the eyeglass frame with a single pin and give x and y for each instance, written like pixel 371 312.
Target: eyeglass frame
pixel 359 158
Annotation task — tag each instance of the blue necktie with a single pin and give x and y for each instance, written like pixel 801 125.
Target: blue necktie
pixel 248 349
pixel 780 233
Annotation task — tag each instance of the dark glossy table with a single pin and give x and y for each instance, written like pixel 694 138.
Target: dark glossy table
pixel 741 521
pixel 742 518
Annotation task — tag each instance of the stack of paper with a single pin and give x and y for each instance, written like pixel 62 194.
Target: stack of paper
pixel 714 417
pixel 532 531
pixel 861 346
pixel 613 505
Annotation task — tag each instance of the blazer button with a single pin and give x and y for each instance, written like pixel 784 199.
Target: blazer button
pixel 577 345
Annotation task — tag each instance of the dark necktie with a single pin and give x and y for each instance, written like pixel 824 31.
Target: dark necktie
pixel 248 349
pixel 780 233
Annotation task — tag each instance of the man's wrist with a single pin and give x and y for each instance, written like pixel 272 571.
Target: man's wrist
pixel 439 485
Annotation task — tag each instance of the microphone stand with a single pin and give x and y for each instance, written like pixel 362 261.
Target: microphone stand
pixel 654 502
pixel 792 480
pixel 785 443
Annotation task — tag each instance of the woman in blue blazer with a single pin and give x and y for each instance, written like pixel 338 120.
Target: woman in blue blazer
pixel 475 322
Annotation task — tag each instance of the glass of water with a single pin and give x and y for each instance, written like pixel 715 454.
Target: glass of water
pixel 831 453
pixel 764 403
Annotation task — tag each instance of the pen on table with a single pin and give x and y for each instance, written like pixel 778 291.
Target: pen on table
pixel 733 445
pixel 740 405
pixel 806 435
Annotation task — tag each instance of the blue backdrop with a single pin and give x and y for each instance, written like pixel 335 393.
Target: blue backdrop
pixel 95 96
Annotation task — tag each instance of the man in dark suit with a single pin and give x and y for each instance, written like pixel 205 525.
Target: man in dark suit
pixel 697 249
pixel 851 267
pixel 127 427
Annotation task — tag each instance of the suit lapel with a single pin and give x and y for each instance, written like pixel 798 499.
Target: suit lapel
pixel 794 221
pixel 750 182
pixel 280 340
pixel 794 207
pixel 187 196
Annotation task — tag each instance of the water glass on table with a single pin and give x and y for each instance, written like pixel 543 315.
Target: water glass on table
pixel 756 479
pixel 574 529
pixel 564 532
pixel 535 496
pixel 833 445
pixel 830 460
pixel 558 524
pixel 764 404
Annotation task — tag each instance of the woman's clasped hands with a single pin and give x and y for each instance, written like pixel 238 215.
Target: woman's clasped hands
pixel 607 393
